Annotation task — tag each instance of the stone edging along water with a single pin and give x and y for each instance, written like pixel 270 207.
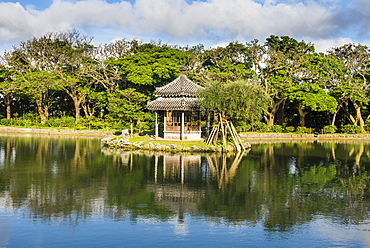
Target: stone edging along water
pixel 248 138
pixel 274 136
pixel 121 142
pixel 17 130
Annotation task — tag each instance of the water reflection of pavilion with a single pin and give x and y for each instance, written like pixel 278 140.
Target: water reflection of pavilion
pixel 176 182
pixel 179 179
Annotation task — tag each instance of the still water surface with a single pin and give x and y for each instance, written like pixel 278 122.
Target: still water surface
pixel 72 192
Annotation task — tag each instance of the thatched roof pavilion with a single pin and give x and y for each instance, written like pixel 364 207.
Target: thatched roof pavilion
pixel 179 102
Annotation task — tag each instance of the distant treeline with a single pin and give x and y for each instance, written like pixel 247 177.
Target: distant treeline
pixel 61 79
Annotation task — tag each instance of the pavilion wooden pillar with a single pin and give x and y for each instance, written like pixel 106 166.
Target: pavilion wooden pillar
pixel 164 123
pixel 182 125
pixel 156 124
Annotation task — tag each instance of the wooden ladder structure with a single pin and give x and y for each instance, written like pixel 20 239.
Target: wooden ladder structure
pixel 224 127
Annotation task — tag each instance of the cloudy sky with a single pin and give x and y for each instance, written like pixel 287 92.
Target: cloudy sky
pixel 326 23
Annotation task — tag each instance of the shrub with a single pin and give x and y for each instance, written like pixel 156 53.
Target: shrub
pixel 52 122
pixel 289 129
pixel 6 122
pixel 304 130
pixel 276 129
pixel 350 129
pixel 68 121
pixel 259 127
pixel 330 129
pixel 95 123
pixel 25 122
pixel 242 126
pixel 143 127
pixel 367 125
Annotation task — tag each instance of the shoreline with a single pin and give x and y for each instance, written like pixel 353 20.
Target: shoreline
pixel 249 137
pixel 295 136
pixel 41 131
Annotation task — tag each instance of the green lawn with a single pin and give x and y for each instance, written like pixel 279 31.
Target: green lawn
pixel 162 142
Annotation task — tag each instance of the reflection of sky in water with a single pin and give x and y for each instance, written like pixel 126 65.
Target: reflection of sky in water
pixel 292 165
pixel 101 232
pixel 11 158
pixel 340 235
pixel 5 228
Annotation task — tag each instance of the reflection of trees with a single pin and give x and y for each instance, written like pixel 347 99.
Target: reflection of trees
pixel 46 175
pixel 263 189
pixel 282 185
pixel 219 167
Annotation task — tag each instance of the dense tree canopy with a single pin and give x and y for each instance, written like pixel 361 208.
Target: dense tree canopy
pixel 281 81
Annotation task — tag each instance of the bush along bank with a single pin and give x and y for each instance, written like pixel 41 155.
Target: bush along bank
pixel 122 142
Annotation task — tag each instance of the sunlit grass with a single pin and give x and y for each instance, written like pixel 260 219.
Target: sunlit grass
pixel 166 142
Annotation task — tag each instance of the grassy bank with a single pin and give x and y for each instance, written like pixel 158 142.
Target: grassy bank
pixel 167 142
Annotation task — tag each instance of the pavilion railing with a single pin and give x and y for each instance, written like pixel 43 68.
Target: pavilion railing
pixel 186 128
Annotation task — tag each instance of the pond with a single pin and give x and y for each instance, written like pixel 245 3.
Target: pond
pixel 72 192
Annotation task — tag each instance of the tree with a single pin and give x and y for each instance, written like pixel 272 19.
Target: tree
pixel 32 67
pixel 310 85
pixel 224 64
pixel 73 52
pixel 150 66
pixel 277 63
pixel 103 67
pixel 234 100
pixel 40 86
pixel 127 106
pixel 356 59
pixel 310 96
pixel 8 89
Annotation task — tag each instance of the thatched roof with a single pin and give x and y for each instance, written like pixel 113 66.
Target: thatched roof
pixel 180 94
pixel 181 86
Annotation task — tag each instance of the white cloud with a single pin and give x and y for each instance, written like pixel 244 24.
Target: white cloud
pixel 323 45
pixel 179 21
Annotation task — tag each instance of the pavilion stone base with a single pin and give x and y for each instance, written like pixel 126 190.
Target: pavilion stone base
pixel 195 135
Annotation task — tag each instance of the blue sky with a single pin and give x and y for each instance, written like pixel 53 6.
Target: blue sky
pixel 326 23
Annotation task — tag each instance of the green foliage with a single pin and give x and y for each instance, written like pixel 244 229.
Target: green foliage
pixel 95 123
pixel 351 129
pixel 304 130
pixel 318 176
pixel 289 129
pixel 126 105
pixel 242 126
pixel 65 121
pixel 230 63
pixel 240 99
pixel 312 97
pixel 330 129
pixel 259 127
pixel 61 74
pixel 6 122
pixel 276 129
pixel 150 66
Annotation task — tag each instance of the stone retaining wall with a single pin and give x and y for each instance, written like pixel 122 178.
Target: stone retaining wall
pixel 16 130
pixel 250 137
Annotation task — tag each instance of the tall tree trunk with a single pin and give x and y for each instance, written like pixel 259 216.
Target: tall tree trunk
pixel 359 118
pixel 270 118
pixel 77 104
pixel 302 115
pixel 281 113
pixel 335 115
pixel 43 110
pixel 8 99
pixel 348 114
